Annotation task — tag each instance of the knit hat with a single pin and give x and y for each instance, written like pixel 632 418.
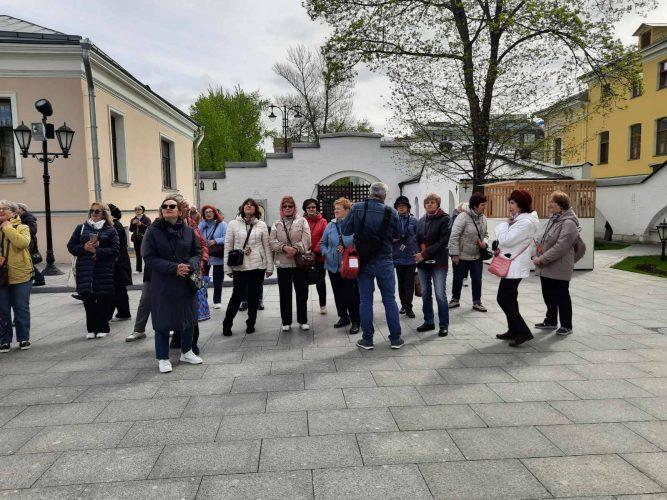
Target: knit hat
pixel 115 211
pixel 402 200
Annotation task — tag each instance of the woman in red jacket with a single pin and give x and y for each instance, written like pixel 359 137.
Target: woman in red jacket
pixel 317 223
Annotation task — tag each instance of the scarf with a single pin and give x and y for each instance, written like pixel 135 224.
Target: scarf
pixel 97 225
pixel 437 214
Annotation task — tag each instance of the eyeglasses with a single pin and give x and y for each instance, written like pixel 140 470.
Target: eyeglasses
pixel 208 211
pixel 312 207
pixel 288 206
pixel 170 206
pixel 96 211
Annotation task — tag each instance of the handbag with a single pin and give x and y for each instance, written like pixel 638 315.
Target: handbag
pixel 196 281
pixel 215 250
pixel 306 260
pixel 349 268
pixel 235 257
pixel 484 253
pixel 500 265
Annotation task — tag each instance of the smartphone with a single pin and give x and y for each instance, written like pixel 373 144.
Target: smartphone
pixel 93 237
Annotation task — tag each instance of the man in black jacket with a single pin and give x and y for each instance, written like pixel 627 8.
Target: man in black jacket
pixel 432 263
pixel 31 221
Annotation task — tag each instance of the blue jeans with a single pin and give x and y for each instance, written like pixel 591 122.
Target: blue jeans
pixel 16 298
pixel 439 277
pixel 461 271
pixel 383 272
pixel 162 342
pixel 218 278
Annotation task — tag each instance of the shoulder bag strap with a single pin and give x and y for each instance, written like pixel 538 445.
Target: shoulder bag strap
pixel 340 235
pixel 476 228
pixel 247 236
pixel 212 233
pixel 289 240
pixel 363 217
pixel 385 221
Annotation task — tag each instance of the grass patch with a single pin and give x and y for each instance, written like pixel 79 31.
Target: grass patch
pixel 610 245
pixel 644 264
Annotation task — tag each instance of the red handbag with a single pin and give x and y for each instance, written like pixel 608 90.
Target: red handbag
pixel 350 263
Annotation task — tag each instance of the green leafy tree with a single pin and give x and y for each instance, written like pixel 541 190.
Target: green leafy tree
pixel 232 124
pixel 471 63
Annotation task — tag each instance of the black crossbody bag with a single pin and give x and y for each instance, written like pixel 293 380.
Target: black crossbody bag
pixel 484 253
pixel 235 257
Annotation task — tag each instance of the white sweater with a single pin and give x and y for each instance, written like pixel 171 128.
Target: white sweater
pixel 515 238
pixel 261 256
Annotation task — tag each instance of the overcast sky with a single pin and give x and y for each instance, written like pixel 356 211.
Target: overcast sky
pixel 180 47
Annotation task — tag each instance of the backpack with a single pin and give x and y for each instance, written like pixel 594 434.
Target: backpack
pixel 368 245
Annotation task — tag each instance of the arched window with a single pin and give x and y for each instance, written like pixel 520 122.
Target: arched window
pixel 215 186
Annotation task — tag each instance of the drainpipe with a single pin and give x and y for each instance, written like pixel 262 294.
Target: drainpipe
pixel 200 137
pixel 86 46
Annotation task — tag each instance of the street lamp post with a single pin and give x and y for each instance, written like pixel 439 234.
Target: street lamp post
pixel 65 136
pixel 662 234
pixel 285 111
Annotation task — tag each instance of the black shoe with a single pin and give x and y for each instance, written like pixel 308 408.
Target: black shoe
pixel 402 310
pixel 195 349
pixel 520 340
pixel 442 332
pixel 226 331
pixel 409 313
pixel 425 327
pixel 123 318
pixel 25 345
pixel 354 329
pixel 545 326
pixel 243 306
pixel 250 329
pixel 397 344
pixel 364 345
pixel 342 322
pixel 77 296
pixel 564 332
pixel 4 348
pixel 260 307
pixel 505 336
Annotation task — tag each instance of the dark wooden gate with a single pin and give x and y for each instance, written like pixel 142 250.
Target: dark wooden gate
pixel 327 194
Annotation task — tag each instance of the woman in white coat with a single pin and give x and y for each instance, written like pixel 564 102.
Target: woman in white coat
pixel 515 238
pixel 250 235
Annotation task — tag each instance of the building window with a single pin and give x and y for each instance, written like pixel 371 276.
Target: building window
pixel 215 186
pixel 7 151
pixel 168 167
pixel 604 147
pixel 118 155
pixel 661 137
pixel 635 141
pixel 201 185
pixel 638 86
pixel 662 75
pixel 558 151
pixel 645 39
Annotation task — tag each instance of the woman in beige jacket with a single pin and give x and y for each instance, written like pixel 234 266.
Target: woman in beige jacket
pixel 250 235
pixel 291 235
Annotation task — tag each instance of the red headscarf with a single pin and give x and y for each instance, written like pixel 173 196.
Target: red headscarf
pixel 288 199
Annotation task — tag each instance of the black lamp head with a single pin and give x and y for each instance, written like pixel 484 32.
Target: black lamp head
pixel 44 107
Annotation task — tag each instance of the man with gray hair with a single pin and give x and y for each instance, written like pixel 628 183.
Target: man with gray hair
pixel 374 226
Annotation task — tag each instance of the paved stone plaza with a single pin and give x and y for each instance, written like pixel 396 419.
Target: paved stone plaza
pixel 306 414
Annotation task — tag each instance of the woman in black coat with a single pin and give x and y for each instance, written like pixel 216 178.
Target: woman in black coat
pixel 122 270
pixel 172 251
pixel 95 246
pixel 138 226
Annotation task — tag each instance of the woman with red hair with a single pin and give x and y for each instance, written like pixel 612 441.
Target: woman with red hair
pixel 213 230
pixel 514 239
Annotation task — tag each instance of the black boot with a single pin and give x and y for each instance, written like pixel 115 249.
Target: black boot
pixel 520 340
pixel 505 336
pixel 425 327
pixel 409 313
pixel 342 322
pixel 354 329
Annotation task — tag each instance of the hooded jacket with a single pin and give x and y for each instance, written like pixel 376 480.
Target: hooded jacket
pixel 15 240
pixel 316 224
pixel 557 246
pixel 299 234
pixel 261 256
pixel 433 235
pixel 518 237
pixel 464 236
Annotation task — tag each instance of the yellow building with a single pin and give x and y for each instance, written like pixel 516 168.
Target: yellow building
pixel 130 146
pixel 627 139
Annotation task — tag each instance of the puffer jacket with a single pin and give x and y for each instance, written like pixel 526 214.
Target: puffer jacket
pixel 15 241
pixel 299 234
pixel 329 245
pixel 518 237
pixel 433 238
pixel 261 256
pixel 557 246
pixel 407 229
pixel 464 235
pixel 317 225
pixel 94 272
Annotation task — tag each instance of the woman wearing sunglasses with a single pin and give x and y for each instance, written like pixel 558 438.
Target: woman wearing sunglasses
pixel 95 245
pixel 172 252
pixel 291 235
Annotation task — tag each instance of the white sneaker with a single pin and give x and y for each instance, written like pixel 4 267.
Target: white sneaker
pixel 90 335
pixel 287 328
pixel 101 335
pixel 323 310
pixel 164 365
pixel 217 306
pixel 135 336
pixel 191 357
pixel 305 326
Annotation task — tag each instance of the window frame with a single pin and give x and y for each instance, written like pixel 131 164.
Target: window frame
pixel 657 142
pixel 118 148
pixel 630 143
pixel 600 143
pixel 643 43
pixel 172 163
pixel 18 174
pixel 558 152
pixel 662 74
pixel 638 87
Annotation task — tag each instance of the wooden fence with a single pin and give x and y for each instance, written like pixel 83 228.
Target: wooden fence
pixel 581 193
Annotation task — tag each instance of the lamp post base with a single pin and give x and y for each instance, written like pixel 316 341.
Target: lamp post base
pixel 51 270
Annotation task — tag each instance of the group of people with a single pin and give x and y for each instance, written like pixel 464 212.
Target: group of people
pixel 178 251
